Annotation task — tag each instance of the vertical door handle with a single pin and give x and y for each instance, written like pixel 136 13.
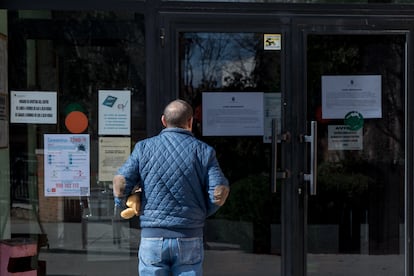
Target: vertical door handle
pixel 275 174
pixel 312 176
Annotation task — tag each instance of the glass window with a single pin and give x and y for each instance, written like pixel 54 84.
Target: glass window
pixel 75 55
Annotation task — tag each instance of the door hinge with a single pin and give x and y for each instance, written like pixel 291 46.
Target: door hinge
pixel 162 37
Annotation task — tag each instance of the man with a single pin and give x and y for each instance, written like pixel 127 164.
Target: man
pixel 182 184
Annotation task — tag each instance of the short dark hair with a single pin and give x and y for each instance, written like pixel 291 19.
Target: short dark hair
pixel 177 113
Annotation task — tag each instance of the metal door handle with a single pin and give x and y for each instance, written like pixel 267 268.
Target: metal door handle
pixel 275 174
pixel 312 176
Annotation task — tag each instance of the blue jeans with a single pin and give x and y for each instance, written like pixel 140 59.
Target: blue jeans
pixel 175 256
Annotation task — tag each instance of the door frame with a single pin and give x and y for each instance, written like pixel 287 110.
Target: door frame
pixel 301 28
pixel 294 26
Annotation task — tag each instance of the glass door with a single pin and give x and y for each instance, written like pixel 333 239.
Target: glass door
pixel 351 220
pixel 243 238
pixel 356 91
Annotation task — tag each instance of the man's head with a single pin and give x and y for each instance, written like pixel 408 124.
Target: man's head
pixel 178 113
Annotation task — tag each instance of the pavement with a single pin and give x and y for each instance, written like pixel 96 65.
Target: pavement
pixel 78 251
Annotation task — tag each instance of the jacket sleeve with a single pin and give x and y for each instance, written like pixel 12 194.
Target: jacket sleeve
pixel 215 177
pixel 130 171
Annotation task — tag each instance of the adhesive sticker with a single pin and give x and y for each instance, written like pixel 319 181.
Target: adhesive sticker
pixel 354 120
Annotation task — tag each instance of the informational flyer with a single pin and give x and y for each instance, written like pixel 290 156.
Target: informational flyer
pixel 341 137
pixel 114 112
pixel 66 164
pixel 232 114
pixel 272 110
pixel 33 107
pixel 344 94
pixel 113 152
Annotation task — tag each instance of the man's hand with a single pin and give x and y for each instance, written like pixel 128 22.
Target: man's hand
pixel 119 184
pixel 221 192
pixel 119 202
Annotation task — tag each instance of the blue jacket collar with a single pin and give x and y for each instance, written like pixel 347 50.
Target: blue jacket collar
pixel 177 130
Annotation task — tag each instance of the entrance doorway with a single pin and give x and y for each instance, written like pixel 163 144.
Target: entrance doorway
pixel 244 237
pixel 356 94
pixel 346 213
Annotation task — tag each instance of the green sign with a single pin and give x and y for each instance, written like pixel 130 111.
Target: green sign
pixel 354 120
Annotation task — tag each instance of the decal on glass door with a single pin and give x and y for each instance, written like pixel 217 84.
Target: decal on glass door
pixel 272 41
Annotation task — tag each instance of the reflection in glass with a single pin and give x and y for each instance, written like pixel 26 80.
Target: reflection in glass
pixel 249 223
pixel 75 54
pixel 357 217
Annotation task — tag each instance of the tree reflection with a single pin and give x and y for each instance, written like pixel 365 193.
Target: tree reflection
pixel 235 62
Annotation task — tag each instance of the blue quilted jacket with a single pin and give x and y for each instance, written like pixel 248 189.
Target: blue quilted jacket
pixel 178 174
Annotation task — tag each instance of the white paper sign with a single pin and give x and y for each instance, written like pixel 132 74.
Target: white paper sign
pixel 113 152
pixel 66 164
pixel 114 112
pixel 341 137
pixel 33 107
pixel 343 94
pixel 232 114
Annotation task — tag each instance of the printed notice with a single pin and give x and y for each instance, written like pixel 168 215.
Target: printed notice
pixel 232 114
pixel 66 164
pixel 341 137
pixel 343 94
pixel 114 112
pixel 33 107
pixel 113 152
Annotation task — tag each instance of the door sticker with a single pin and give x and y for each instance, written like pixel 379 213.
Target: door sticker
pixel 272 41
pixel 354 120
